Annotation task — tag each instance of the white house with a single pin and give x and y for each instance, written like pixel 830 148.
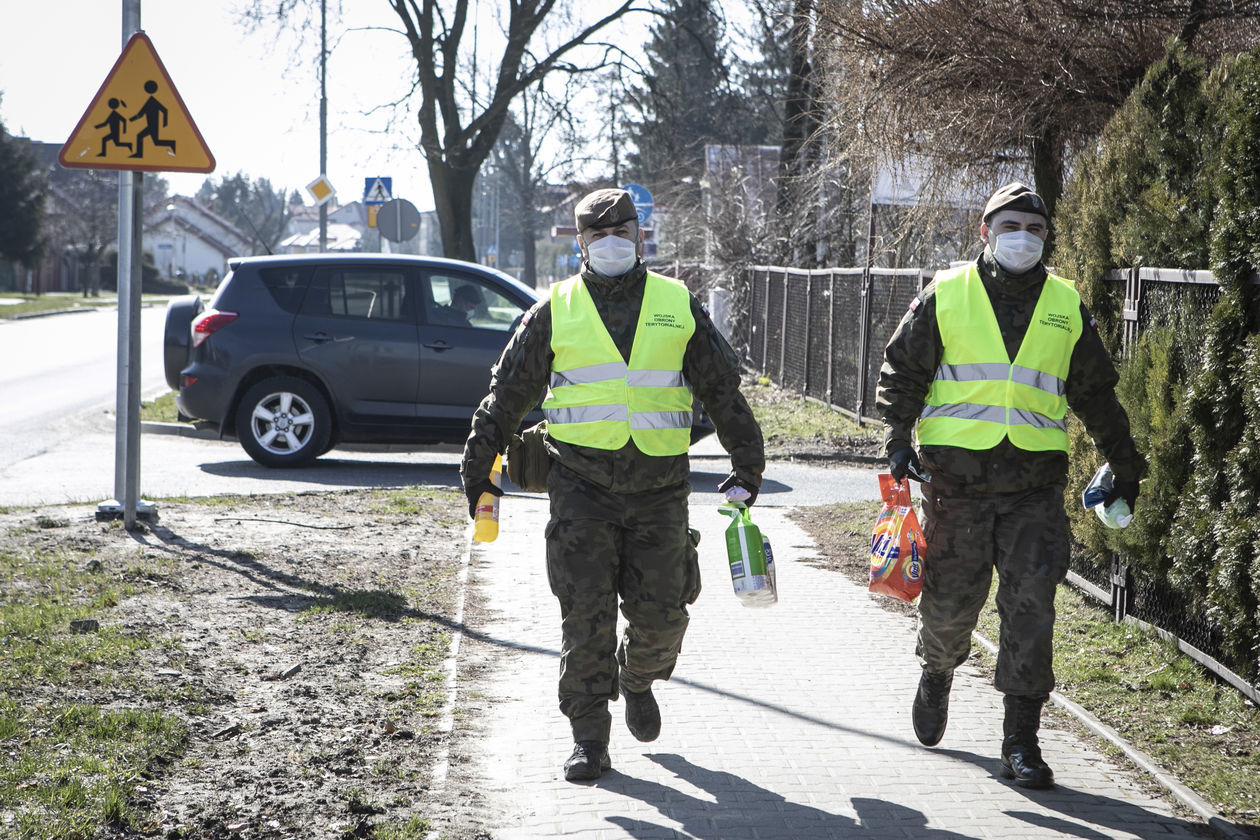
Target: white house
pixel 191 241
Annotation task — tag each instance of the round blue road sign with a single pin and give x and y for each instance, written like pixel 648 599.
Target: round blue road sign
pixel 642 201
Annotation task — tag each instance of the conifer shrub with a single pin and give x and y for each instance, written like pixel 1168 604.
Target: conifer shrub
pixel 1215 533
pixel 1138 197
pixel 1152 382
pixel 1174 183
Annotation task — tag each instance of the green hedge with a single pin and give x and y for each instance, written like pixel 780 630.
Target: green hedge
pixel 1174 182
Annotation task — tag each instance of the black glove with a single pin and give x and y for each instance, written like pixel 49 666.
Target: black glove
pixel 904 462
pixel 474 490
pixel 733 480
pixel 1123 489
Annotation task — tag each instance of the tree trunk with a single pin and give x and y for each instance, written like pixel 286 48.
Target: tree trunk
pixel 453 198
pixel 1047 161
pixel 800 121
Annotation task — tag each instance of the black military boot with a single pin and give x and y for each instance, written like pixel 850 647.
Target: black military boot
pixel 1021 755
pixel 931 706
pixel 643 716
pixel 588 761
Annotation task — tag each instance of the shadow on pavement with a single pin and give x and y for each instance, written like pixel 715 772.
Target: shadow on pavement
pixel 1104 812
pixel 744 809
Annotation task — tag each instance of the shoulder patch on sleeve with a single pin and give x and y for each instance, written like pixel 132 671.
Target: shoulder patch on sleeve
pixel 1093 325
pixel 527 317
pixel 705 309
pixel 914 303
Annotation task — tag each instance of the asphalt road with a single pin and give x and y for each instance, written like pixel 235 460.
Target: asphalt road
pixel 57 421
pixel 60 369
pixel 79 467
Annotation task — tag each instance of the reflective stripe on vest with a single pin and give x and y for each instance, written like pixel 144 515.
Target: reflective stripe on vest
pixel 978 395
pixel 595 398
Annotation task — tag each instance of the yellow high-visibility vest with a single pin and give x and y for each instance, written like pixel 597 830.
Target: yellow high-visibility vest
pixel 980 396
pixel 594 398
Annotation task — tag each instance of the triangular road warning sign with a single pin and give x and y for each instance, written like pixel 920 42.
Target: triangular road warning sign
pixel 137 120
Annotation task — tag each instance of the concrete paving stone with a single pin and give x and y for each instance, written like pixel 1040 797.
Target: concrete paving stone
pixel 792 721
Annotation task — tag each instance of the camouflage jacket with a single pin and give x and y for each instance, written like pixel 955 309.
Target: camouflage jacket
pixel 914 353
pixel 519 380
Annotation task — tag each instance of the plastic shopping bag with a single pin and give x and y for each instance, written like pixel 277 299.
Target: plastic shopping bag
pixel 897 544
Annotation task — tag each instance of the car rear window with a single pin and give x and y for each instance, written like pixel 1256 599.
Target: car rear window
pixel 287 285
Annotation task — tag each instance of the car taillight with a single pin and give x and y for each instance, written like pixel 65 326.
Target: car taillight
pixel 208 323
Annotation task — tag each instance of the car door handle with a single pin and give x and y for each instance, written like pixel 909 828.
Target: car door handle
pixel 319 337
pixel 439 345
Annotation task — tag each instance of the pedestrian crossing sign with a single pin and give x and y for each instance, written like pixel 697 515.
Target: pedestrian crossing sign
pixel 137 120
pixel 377 191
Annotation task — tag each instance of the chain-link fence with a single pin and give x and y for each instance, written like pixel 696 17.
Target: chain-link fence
pixel 822 333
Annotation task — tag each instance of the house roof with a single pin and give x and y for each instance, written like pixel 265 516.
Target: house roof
pixel 341 237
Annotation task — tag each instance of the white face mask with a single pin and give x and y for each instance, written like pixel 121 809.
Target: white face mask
pixel 611 256
pixel 1017 251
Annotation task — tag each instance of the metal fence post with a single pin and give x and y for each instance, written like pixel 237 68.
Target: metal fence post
pixel 1131 310
pixel 1121 592
pixel 783 329
pixel 831 333
pixel 765 324
pixel 809 308
pixel 864 340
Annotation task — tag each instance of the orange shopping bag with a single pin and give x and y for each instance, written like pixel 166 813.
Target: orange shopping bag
pixel 897 544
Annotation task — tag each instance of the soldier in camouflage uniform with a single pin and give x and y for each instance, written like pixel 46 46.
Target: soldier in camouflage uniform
pixel 993 447
pixel 618 527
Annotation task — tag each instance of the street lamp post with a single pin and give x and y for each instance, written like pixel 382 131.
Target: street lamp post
pixel 177 239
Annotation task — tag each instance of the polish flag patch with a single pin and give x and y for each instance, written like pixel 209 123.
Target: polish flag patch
pixel 914 303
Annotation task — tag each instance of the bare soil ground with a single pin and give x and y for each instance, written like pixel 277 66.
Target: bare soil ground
pixel 304 645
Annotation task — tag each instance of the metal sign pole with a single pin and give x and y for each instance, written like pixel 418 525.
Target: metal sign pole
pixel 121 389
pixel 127 396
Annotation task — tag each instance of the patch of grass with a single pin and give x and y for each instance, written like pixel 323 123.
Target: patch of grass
pixel 362 602
pixel 424 673
pixel 415 828
pixel 68 767
pixel 51 302
pixel 203 501
pixel 160 410
pixel 407 502
pixel 785 414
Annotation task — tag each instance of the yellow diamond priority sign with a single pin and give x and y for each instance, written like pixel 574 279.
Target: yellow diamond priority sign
pixel 137 120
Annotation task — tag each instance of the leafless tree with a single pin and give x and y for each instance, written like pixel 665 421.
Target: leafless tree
pixel 528 159
pixel 463 102
pixel 971 88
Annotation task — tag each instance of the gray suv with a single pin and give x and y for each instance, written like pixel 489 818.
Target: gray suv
pixel 296 354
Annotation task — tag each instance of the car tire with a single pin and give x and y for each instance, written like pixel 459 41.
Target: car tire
pixel 177 336
pixel 284 422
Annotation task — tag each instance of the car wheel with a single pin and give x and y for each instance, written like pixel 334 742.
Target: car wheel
pixel 283 422
pixel 177 337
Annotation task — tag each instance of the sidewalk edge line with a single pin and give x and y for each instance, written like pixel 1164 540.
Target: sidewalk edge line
pixel 1179 791
pixel 446 723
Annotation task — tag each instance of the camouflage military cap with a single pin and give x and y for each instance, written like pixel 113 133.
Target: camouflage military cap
pixel 605 208
pixel 1015 196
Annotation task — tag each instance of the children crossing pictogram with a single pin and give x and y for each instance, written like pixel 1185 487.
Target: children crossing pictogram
pixel 115 125
pixel 151 109
pixel 159 135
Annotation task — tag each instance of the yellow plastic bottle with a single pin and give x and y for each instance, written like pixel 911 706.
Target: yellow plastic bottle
pixel 486 520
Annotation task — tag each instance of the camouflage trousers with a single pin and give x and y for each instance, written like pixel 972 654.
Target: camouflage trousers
pixel 1024 536
pixel 602 547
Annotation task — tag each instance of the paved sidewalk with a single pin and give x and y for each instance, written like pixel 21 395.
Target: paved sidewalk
pixel 785 722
